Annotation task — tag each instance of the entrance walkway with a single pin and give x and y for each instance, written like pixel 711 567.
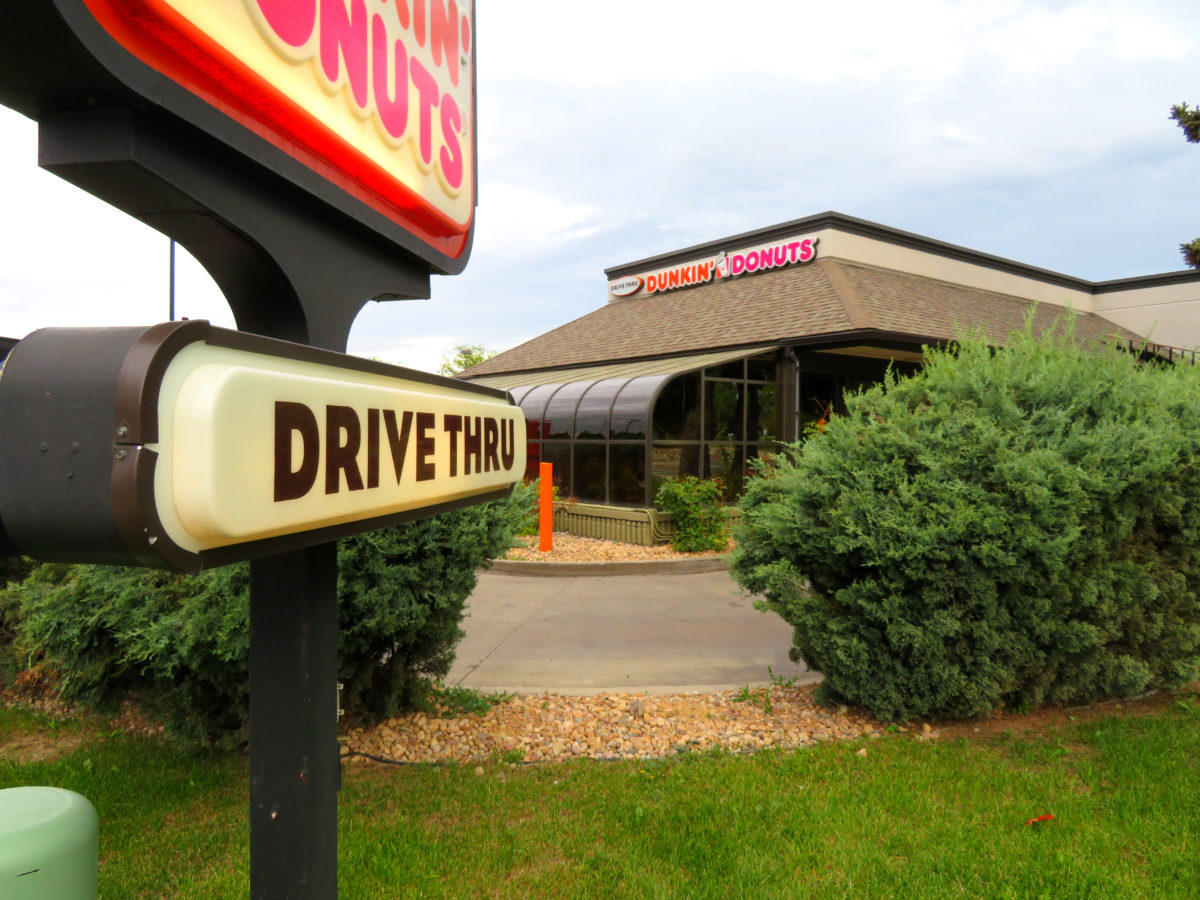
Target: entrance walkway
pixel 663 633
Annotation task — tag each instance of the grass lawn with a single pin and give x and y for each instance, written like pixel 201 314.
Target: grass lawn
pixel 909 819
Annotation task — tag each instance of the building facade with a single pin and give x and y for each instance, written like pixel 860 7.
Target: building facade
pixel 705 358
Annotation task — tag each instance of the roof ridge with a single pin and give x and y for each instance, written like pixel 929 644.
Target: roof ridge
pixel 856 310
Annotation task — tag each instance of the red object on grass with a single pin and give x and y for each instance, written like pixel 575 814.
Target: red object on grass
pixel 1047 817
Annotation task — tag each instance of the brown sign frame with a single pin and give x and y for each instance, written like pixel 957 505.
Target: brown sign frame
pixel 77 474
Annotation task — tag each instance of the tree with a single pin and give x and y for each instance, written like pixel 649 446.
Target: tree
pixel 465 356
pixel 1189 121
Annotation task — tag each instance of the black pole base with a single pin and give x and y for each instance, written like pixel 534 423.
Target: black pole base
pixel 294 765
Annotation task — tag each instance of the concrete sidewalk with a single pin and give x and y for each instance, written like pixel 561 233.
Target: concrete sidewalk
pixel 660 633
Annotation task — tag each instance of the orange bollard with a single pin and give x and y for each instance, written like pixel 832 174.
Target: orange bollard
pixel 546 507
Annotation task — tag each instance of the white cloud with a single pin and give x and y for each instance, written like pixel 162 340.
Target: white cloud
pixel 520 222
pixel 918 41
pixel 424 353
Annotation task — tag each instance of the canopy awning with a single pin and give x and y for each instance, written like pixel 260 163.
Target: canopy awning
pixel 673 365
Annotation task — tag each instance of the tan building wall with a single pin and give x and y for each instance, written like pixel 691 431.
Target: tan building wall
pixel 1165 314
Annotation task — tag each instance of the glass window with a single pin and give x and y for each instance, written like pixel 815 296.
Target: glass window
pixel 533 453
pixel 820 397
pixel 761 413
pixel 559 456
pixel 667 461
pixel 533 405
pixel 727 462
pixel 518 393
pixel 589 472
pixel 632 407
pixel 677 412
pixel 723 411
pixel 560 411
pixel 627 473
pixel 735 370
pixel 761 368
pixel 591 419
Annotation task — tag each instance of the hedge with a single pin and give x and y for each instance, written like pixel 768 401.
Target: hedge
pixel 179 645
pixel 1009 527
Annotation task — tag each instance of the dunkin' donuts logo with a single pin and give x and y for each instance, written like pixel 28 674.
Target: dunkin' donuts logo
pixel 723 265
pixel 773 256
pixel 389 59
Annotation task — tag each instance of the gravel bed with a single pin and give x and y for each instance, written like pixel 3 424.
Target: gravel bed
pixel 544 727
pixel 574 548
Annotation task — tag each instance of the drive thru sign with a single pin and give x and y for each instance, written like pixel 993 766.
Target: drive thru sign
pixel 201 446
pixel 313 155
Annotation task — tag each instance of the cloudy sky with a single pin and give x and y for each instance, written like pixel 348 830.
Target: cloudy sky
pixel 1033 129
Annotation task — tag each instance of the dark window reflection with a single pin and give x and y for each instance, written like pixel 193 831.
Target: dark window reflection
pixel 533 450
pixel 820 397
pixel 677 412
pixel 627 474
pixel 559 455
pixel 632 408
pixel 589 472
pixel 723 411
pixel 672 462
pixel 735 369
pixel 591 418
pixel 762 413
pixel 727 462
pixel 560 412
pixel 761 368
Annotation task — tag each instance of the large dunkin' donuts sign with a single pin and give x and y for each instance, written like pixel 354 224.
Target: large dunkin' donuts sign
pixel 376 96
pixel 776 255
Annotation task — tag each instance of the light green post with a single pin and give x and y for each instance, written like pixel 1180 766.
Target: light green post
pixel 49 844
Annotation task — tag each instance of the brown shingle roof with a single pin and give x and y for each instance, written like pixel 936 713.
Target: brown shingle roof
pixel 824 298
pixel 910 304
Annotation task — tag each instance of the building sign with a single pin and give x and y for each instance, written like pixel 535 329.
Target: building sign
pixel 723 265
pixel 225 442
pixel 376 95
pixel 625 287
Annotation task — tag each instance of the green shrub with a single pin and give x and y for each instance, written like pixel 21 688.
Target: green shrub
pixel 1015 526
pixel 527 496
pixel 13 569
pixel 180 644
pixel 699 512
pixel 401 597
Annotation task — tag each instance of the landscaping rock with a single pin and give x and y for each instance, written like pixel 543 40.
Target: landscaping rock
pixel 553 727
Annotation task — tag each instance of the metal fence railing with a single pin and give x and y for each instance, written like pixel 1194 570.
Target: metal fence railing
pixel 1147 350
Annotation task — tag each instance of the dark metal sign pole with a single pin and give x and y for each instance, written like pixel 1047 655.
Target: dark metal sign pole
pixel 294 766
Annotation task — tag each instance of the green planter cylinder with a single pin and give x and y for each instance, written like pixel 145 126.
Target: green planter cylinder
pixel 49 845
